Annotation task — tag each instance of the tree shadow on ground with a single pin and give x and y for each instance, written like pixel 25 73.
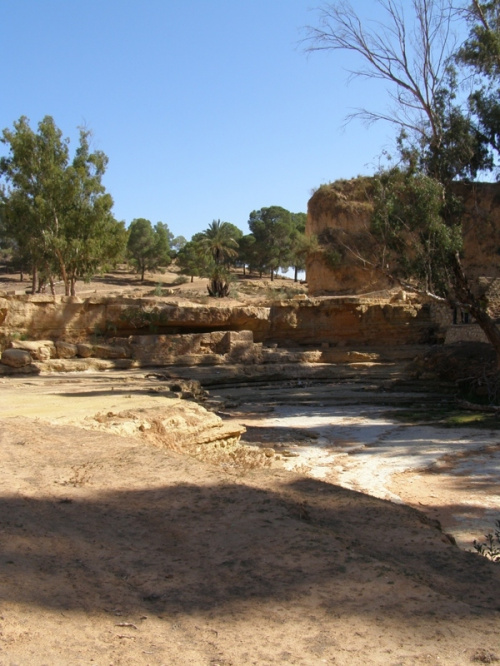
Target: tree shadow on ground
pixel 185 548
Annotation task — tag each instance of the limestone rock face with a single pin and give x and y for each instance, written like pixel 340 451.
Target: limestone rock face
pixel 341 321
pixel 16 358
pixel 85 350
pixel 38 316
pixel 335 321
pixel 339 215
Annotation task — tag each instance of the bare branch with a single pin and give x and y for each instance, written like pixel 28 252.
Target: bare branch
pixel 412 62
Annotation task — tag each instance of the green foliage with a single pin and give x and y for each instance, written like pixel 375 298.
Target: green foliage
pixel 143 317
pixel 332 257
pixel 148 247
pixel 220 282
pixel 491 547
pixel 219 241
pixel 176 244
pixel 273 229
pixel 181 279
pixel 55 211
pixel 443 135
pixel 218 247
pixel 417 241
pixel 447 416
pixel 481 50
pixel 481 53
pixel 248 251
pixel 192 260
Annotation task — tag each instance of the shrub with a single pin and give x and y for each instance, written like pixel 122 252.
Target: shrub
pixel 491 547
pixel 181 279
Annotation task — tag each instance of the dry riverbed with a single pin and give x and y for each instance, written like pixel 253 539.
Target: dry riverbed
pixel 116 550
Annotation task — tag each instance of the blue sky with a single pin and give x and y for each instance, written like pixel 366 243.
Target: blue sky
pixel 206 109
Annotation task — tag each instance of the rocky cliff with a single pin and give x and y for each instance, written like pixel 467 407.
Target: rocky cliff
pixel 341 211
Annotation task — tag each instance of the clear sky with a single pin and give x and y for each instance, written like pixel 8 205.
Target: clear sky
pixel 206 109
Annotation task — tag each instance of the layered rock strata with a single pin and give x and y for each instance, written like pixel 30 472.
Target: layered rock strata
pixel 339 215
pixel 75 324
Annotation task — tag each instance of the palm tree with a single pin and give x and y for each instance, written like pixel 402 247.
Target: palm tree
pixel 219 243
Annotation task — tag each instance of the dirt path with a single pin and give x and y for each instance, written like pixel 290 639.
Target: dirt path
pixel 117 551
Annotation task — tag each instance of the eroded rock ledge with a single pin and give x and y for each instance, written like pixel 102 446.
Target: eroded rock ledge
pixel 154 331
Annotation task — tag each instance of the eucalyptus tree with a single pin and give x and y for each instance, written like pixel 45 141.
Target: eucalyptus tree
pixel 56 209
pixel 147 246
pixel 35 189
pixel 481 53
pixel 92 238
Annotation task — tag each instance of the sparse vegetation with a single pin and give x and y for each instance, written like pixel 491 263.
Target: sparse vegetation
pixel 282 293
pixel 490 548
pixel 447 416
pixel 158 290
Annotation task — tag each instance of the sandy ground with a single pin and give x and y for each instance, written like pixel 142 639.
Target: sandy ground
pixel 244 288
pixel 118 551
pixel 450 473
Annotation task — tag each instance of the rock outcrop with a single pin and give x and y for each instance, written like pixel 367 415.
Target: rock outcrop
pixel 42 316
pixel 321 322
pixel 341 211
pixel 179 425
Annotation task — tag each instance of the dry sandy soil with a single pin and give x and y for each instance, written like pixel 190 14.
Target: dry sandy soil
pixel 244 288
pixel 116 550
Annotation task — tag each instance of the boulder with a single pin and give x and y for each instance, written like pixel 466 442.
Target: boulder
pixel 66 349
pixel 16 358
pixel 110 351
pixel 85 350
pixel 40 350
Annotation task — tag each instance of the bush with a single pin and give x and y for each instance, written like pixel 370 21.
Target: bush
pixel 491 547
pixel 181 279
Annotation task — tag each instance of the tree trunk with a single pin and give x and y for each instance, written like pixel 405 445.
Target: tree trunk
pixel 272 275
pixel 52 285
pixel 476 307
pixel 218 288
pixel 34 279
pixel 296 274
pixel 73 285
pixel 64 274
